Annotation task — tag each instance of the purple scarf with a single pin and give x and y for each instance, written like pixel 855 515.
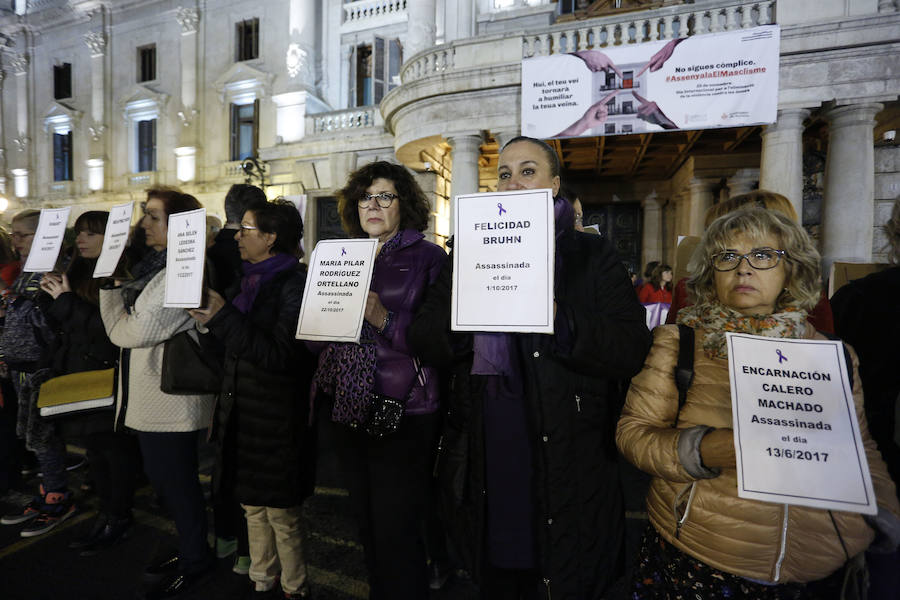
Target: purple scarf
pixel 256 274
pixel 493 351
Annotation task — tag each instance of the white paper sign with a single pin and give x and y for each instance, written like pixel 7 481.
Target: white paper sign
pixel 337 286
pixel 795 430
pixel 185 259
pixel 48 240
pixel 503 262
pixel 118 226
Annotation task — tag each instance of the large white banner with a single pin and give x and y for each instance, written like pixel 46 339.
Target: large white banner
pixel 796 435
pixel 727 79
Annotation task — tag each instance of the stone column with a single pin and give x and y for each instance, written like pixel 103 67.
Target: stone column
pixel 886 6
pixel 742 181
pixel 848 209
pixel 700 199
pixel 422 26
pixel 96 161
pixel 22 141
pixel 466 149
pixel 781 164
pixel 186 150
pixel 300 58
pixel 503 138
pixel 652 242
pixel 459 19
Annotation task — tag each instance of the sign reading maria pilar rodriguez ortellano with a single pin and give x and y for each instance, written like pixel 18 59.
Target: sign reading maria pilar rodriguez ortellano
pixel 796 433
pixel 337 288
pixel 503 262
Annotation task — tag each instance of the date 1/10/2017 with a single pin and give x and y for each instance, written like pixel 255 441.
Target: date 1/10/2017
pixel 796 454
pixel 502 288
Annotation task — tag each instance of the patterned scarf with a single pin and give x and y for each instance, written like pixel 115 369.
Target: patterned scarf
pixel 144 271
pixel 717 320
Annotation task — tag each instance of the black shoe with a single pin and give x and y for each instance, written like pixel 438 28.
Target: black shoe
pixel 114 530
pixel 163 568
pixel 175 584
pixel 82 542
pixel 438 575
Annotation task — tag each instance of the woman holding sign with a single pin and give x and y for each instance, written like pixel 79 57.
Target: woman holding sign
pixel 73 310
pixel 388 475
pixel 266 450
pixel 167 425
pixel 756 272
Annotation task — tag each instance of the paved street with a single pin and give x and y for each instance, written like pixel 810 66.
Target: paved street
pixel 43 567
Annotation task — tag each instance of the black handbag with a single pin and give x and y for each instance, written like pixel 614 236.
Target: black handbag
pixel 385 413
pixel 188 368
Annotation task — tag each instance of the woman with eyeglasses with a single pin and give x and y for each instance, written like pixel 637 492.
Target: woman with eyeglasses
pixel 757 272
pixel 265 449
pixel 388 477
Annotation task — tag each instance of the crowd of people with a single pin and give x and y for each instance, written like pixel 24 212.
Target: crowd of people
pixel 508 443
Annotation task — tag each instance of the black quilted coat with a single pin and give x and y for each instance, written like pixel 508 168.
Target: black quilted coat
pixel 571 409
pixel 265 446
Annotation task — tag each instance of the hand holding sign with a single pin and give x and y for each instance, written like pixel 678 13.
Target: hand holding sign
pixel 55 285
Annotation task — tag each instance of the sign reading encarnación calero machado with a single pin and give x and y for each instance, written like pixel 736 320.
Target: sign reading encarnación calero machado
pixel 503 262
pixel 796 432
pixel 337 288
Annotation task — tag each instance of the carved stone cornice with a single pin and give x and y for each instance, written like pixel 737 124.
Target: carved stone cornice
pixel 19 63
pixel 188 18
pixel 96 41
pixel 296 60
pixel 96 131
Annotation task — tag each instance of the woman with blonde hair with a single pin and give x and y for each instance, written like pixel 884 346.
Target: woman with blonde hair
pixel 757 272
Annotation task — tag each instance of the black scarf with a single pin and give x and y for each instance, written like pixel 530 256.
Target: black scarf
pixel 150 265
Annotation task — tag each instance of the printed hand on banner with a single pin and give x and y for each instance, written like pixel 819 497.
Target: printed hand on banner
pixel 650 112
pixel 717 449
pixel 214 304
pixel 659 59
pixel 597 61
pixel 55 285
pixel 595 116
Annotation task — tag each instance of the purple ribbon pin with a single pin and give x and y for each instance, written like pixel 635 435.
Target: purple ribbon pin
pixel 502 210
pixel 781 357
pixel 343 251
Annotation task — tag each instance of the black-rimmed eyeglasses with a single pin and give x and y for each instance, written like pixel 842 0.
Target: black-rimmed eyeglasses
pixel 758 258
pixel 384 199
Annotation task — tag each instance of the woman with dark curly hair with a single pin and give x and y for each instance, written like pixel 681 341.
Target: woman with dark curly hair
pixel 388 477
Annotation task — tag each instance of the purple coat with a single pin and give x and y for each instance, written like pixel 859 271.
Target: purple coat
pixel 401 279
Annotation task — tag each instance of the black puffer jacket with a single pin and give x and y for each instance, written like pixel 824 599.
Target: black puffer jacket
pixel 571 409
pixel 265 446
pixel 81 344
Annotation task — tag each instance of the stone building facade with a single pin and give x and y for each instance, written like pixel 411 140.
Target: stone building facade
pixel 101 99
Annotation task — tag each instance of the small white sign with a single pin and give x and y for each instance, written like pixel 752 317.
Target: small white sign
pixel 503 262
pixel 118 226
pixel 185 259
pixel 337 287
pixel 48 240
pixel 796 435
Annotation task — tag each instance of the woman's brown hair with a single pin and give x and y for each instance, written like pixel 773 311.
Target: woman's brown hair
pixel 414 206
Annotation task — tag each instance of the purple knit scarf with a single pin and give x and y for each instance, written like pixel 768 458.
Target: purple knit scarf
pixel 493 351
pixel 256 274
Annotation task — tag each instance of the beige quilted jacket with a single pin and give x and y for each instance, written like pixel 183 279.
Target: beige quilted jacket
pixel 144 331
pixel 757 540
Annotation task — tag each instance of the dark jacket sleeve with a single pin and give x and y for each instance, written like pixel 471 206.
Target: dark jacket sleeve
pixel 274 349
pixel 610 335
pixel 428 335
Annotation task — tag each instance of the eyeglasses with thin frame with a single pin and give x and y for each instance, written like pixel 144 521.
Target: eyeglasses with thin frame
pixel 760 259
pixel 248 227
pixel 18 236
pixel 384 199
